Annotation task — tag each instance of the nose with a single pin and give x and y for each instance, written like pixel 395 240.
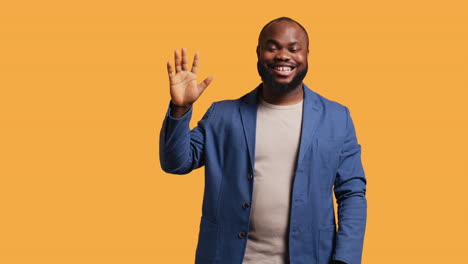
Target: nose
pixel 282 55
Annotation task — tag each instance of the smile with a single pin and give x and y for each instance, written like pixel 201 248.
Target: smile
pixel 282 70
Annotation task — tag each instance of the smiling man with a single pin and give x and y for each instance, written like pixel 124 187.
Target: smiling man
pixel 282 57
pixel 273 160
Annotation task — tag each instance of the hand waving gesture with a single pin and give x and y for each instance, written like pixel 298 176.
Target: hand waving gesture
pixel 183 83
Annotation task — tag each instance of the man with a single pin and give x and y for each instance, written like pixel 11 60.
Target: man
pixel 273 158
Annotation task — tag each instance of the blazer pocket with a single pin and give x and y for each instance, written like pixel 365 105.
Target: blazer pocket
pixel 326 244
pixel 207 240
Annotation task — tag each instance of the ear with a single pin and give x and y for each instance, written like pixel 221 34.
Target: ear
pixel 258 51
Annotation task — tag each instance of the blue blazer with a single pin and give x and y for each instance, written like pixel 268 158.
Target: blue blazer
pixel 329 162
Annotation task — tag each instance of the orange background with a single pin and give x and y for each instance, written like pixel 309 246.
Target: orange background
pixel 84 90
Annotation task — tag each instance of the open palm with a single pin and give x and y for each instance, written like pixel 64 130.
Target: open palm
pixel 184 88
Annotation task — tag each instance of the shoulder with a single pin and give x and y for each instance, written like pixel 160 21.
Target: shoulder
pixel 233 104
pixel 334 115
pixel 222 110
pixel 227 104
pixel 327 105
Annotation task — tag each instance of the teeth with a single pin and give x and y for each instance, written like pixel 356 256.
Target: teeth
pixel 284 69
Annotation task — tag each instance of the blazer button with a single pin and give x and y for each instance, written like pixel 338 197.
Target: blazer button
pixel 245 205
pixel 250 176
pixel 241 234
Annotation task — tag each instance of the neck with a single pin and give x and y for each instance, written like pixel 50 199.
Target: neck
pixel 292 97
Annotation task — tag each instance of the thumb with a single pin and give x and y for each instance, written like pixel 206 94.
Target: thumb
pixel 202 86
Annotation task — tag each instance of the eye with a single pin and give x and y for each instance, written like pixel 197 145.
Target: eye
pixel 294 50
pixel 271 48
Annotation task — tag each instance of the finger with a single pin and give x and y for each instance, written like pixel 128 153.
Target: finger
pixel 177 61
pixel 195 63
pixel 170 69
pixel 184 60
pixel 202 86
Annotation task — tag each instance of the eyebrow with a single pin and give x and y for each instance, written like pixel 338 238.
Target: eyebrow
pixel 268 41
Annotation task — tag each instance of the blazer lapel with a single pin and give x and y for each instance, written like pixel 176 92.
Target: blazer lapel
pixel 248 111
pixel 311 113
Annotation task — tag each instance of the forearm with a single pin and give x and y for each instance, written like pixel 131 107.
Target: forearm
pixel 174 141
pixel 181 149
pixel 352 215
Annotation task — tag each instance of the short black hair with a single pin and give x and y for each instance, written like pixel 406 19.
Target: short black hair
pixel 279 19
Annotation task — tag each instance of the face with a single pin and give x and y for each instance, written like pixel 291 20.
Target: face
pixel 282 56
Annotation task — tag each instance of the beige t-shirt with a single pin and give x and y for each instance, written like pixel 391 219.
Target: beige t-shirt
pixel 277 145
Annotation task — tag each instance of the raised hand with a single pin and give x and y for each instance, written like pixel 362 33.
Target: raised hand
pixel 184 88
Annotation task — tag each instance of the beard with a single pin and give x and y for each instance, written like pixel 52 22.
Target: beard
pixel 277 87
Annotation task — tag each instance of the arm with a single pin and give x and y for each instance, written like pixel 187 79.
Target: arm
pixel 350 191
pixel 181 150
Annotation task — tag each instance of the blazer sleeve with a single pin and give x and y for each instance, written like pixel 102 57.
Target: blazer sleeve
pixel 182 150
pixel 350 192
